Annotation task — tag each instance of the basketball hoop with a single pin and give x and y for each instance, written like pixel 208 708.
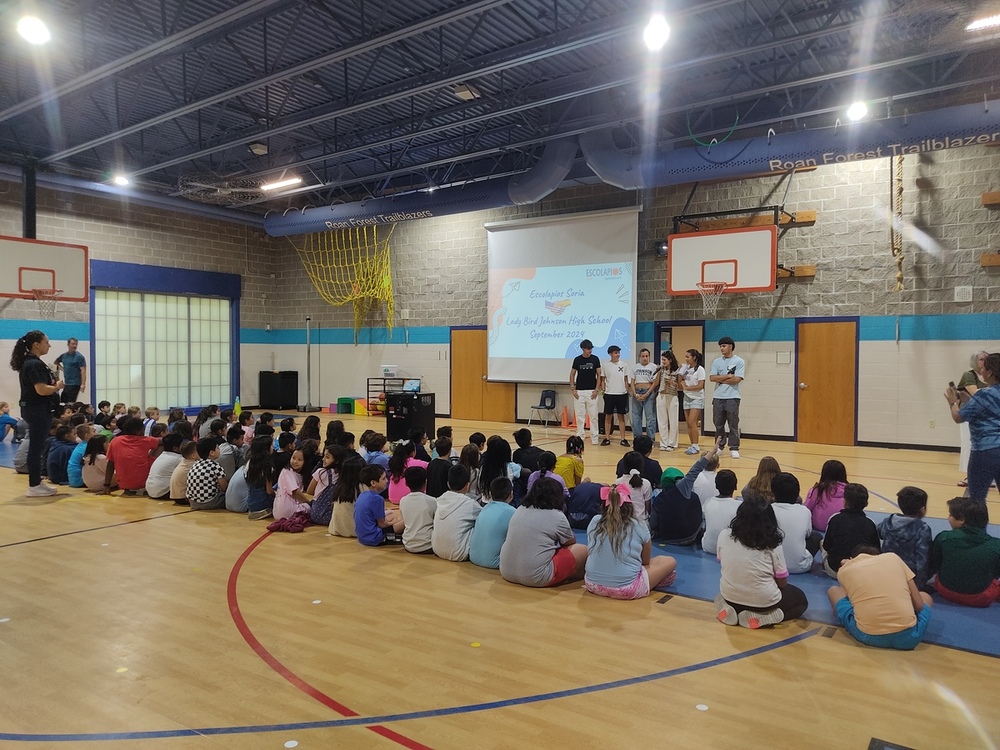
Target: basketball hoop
pixel 46 299
pixel 710 292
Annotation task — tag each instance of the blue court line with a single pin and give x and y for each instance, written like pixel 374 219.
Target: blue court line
pixel 413 715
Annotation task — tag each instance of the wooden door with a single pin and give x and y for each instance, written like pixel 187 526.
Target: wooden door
pixel 826 391
pixel 472 396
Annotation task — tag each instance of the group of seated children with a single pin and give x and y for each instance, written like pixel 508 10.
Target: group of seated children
pixel 515 512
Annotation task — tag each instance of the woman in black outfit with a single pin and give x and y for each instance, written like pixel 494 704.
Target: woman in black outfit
pixel 38 395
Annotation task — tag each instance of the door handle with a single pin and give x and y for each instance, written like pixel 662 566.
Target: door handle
pixel 484 377
pixel 803 387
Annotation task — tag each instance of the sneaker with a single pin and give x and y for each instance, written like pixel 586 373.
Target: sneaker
pixel 671 447
pixel 755 620
pixel 41 490
pixel 725 613
pixel 260 515
pixel 734 453
pixel 605 442
pixel 626 443
pixel 693 450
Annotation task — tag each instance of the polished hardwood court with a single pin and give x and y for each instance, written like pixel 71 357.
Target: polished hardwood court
pixel 126 622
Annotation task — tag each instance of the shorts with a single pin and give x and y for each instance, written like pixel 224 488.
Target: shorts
pixel 982 599
pixel 563 565
pixel 638 589
pixel 694 402
pixel 904 640
pixel 616 403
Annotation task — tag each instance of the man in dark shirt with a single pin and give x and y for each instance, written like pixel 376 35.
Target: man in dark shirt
pixel 583 379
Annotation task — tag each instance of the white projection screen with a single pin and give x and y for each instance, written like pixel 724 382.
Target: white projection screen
pixel 555 281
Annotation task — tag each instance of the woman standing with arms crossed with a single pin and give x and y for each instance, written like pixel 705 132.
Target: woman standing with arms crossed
pixel 38 390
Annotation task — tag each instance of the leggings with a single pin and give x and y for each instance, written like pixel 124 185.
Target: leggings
pixel 792 604
pixel 39 419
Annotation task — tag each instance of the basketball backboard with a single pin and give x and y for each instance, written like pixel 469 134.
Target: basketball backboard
pixel 37 264
pixel 745 259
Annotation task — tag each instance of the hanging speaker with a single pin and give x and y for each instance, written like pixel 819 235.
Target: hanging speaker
pixel 660 248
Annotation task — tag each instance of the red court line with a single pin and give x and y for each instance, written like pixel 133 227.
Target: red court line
pixel 269 658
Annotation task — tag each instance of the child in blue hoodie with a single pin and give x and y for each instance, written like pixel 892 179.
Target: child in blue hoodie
pixel 907 535
pixel 61 446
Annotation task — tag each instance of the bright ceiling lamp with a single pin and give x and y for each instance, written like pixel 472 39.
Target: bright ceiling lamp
pixel 281 184
pixel 121 180
pixel 656 33
pixel 984 23
pixel 33 29
pixel 857 111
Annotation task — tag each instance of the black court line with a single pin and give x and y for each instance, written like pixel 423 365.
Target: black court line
pixel 96 528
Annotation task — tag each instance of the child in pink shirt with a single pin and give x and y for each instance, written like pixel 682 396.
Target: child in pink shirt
pixel 289 498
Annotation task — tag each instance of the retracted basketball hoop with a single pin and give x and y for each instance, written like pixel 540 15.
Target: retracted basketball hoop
pixel 46 299
pixel 711 292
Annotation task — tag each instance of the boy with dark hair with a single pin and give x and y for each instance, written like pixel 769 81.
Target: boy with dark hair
pixel 375 450
pixel 799 542
pixel 478 439
pixel 60 449
pixel 720 510
pixel 373 525
pixel 877 600
pixel 231 452
pixel 74 468
pixel 907 535
pixel 446 432
pixel 284 446
pixel 130 456
pixel 346 441
pixel 158 481
pixel 966 558
pixel 265 425
pixel 287 426
pixel 178 478
pixel 455 517
pixel 418 436
pixel 437 469
pixel 490 531
pixel 526 454
pixel 651 469
pixel 206 481
pixel 103 415
pixel 704 485
pixel 848 529
pixel 417 509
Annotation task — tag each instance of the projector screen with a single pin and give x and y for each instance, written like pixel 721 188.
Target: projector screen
pixel 554 282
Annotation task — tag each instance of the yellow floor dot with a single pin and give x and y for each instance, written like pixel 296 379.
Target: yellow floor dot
pixel 475 644
pixel 121 669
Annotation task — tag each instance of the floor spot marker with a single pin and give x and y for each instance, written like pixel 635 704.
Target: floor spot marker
pixel 475 644
pixel 701 707
pixel 121 670
pixel 317 601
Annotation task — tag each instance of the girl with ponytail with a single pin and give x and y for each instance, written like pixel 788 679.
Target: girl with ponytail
pixel 39 390
pixel 640 489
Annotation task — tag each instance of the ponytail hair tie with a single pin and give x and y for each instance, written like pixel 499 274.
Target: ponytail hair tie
pixel 634 472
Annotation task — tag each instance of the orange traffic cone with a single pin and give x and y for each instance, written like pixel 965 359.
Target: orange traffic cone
pixel 565 418
pixel 572 420
pixel 586 423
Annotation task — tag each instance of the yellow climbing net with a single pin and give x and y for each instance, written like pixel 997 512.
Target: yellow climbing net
pixel 351 265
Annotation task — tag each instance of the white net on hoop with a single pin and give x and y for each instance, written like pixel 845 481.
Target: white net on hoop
pixel 46 299
pixel 711 292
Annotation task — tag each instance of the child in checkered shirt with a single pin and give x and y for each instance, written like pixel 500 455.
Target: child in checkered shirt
pixel 206 481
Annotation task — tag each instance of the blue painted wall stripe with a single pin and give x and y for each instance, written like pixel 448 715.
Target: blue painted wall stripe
pixel 56 330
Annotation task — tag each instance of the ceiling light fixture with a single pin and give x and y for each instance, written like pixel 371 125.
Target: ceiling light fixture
pixel 467 92
pixel 984 23
pixel 281 183
pixel 857 111
pixel 258 149
pixel 121 180
pixel 33 29
pixel 656 33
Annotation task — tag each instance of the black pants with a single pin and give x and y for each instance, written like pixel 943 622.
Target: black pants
pixel 793 604
pixel 39 419
pixel 70 393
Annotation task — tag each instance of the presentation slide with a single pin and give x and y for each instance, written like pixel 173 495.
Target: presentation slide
pixel 554 282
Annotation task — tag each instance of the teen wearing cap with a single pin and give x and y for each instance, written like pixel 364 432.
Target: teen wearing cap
pixel 583 379
pixel 616 381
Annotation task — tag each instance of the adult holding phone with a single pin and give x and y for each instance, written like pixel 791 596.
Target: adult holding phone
pixel 982 413
pixel 39 389
pixel 970 382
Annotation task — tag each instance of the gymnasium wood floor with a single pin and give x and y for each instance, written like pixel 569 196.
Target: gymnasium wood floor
pixel 130 623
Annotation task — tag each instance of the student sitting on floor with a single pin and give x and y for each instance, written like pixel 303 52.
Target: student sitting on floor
pixel 496 463
pixel 260 479
pixel 907 535
pixel 676 515
pixel 704 485
pixel 237 492
pixel 619 563
pixel 641 491
pixel 323 485
pixel 966 559
pixel 546 470
pixel 245 421
pixel 541 548
pixel 152 417
pixel 283 448
pixel 8 423
pixel 231 453
pixel 437 469
pixel 478 439
pixel 95 464
pixel 455 517
pixel 652 472
pixel 445 431
pixel 470 458
pixel 570 464
pixel 348 481
pixel 74 468
pixel 179 476
pixel 373 525
pixel 418 436
pixel 760 484
pixel 131 456
pixel 61 446
pixel 206 480
pixel 287 426
pixel 720 510
pixel 827 496
pixel 417 508
pixel 289 498
pixel 754 591
pixel 403 457
pixel 848 529
pixel 877 601
pixel 526 454
pixel 800 542
pixel 375 450
pixel 491 526
pixel 265 425
pixel 103 415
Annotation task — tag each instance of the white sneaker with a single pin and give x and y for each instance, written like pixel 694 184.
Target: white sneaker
pixel 41 490
pixel 734 454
